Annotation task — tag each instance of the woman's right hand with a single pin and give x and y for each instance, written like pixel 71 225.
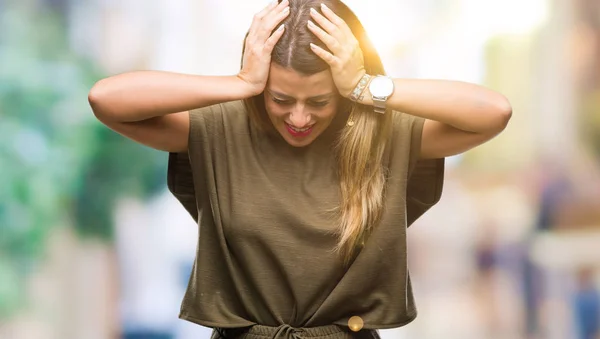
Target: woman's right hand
pixel 260 42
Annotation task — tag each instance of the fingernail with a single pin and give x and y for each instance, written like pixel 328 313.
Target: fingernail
pixel 313 11
pixel 311 24
pixel 286 10
pixel 324 6
pixel 312 45
pixel 281 27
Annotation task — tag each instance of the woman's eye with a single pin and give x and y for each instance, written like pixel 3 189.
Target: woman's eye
pixel 281 102
pixel 289 102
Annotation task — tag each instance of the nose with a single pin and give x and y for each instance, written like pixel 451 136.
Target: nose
pixel 299 116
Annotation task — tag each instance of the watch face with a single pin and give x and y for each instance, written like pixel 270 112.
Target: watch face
pixel 381 86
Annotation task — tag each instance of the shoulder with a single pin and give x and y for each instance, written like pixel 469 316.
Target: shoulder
pixel 406 131
pixel 404 142
pixel 216 118
pixel 404 123
pixel 425 178
pixel 230 110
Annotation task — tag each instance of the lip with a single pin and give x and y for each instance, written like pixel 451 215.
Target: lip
pixel 299 134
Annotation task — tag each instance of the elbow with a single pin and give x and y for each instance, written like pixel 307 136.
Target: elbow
pixel 94 95
pixel 505 112
pixel 97 100
pixel 502 113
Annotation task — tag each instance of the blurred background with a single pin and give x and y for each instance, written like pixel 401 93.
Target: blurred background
pixel 92 246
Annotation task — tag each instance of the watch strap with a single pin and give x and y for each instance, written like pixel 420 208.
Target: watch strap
pixel 379 105
pixel 360 87
pixel 379 102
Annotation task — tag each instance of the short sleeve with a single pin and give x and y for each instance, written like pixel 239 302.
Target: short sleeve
pixel 180 175
pixel 181 183
pixel 425 176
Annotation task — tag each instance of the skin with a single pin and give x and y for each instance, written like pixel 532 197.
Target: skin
pixel 152 107
pixel 293 99
pixel 458 116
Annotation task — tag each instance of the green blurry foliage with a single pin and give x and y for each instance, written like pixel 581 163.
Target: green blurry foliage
pixel 59 167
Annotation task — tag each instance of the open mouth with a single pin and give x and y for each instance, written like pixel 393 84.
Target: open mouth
pixel 299 132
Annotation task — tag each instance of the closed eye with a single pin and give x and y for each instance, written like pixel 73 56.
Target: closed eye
pixel 319 104
pixel 282 102
pixel 289 102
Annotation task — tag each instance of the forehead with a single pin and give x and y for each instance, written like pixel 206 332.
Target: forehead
pixel 291 83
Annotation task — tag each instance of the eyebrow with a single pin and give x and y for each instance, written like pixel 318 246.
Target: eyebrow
pixel 284 96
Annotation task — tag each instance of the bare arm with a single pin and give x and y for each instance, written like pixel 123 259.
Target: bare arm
pixel 459 115
pixel 152 107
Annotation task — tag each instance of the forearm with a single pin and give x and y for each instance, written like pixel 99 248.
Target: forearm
pixel 142 95
pixel 465 106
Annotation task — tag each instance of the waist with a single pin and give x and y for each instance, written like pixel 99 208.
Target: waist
pixel 289 332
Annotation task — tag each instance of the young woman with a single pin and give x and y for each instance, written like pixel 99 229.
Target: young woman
pixel 303 171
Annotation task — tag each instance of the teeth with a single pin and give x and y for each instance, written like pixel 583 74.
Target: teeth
pixel 300 130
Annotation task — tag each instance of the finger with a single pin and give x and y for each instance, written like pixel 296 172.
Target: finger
pixel 329 58
pixel 273 4
pixel 260 15
pixel 282 5
pixel 334 18
pixel 329 41
pixel 274 38
pixel 327 25
pixel 270 22
pixel 276 18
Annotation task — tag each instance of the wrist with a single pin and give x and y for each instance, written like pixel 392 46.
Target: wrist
pixel 380 89
pixel 361 84
pixel 245 88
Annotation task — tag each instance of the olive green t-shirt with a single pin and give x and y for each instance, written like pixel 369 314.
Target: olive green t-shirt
pixel 266 235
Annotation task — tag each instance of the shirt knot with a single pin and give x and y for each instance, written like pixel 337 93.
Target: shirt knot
pixel 286 331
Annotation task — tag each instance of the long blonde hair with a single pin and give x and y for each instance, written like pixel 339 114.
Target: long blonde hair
pixel 360 147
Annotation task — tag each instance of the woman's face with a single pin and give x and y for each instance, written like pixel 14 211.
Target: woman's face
pixel 300 107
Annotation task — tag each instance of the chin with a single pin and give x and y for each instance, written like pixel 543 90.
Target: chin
pixel 298 143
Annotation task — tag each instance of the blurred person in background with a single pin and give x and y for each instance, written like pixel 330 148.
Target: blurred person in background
pixel 586 305
pixel 303 171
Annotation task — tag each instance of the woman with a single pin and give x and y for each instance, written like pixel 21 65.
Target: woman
pixel 302 172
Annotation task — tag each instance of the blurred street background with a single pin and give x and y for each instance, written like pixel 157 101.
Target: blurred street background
pixel 92 246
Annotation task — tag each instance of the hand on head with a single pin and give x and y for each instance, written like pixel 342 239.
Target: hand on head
pixel 260 42
pixel 346 59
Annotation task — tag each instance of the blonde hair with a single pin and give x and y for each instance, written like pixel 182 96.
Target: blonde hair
pixel 360 150
pixel 360 147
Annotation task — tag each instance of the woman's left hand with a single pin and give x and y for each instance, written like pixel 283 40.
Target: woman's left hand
pixel 346 60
